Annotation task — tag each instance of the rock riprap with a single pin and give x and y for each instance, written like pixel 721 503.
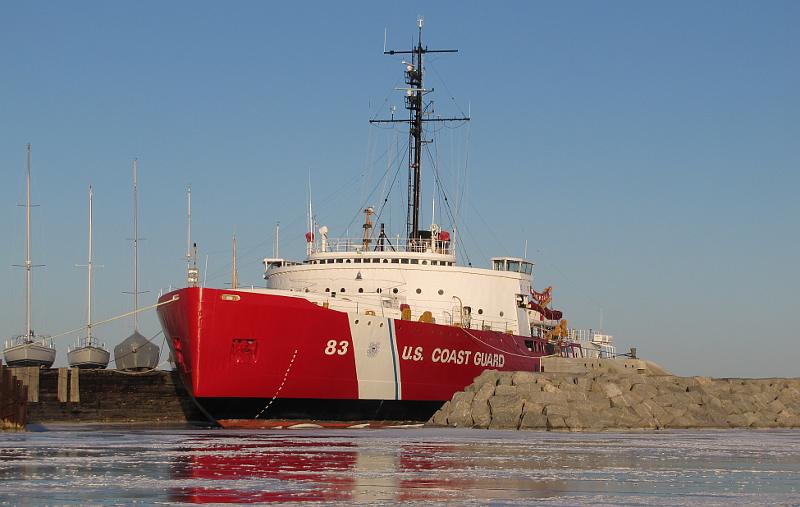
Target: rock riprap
pixel 611 401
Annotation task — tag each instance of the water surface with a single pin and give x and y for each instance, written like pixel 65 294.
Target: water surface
pixel 107 465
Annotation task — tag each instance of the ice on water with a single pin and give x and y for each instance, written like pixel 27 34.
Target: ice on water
pixel 98 465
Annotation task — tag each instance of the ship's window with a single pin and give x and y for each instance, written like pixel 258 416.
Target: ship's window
pixel 357 261
pixel 529 345
pixel 376 260
pixel 306 289
pixel 425 262
pixel 441 292
pixel 385 260
pixel 394 290
pixel 360 290
pixel 497 265
pixel 513 266
pixel 480 311
pixel 329 261
pixel 414 261
pixel 395 261
pixel 348 261
pixel 327 289
pixel 341 290
pixel 403 261
pixel 378 290
pixel 419 291
pixel 501 314
pixel 339 261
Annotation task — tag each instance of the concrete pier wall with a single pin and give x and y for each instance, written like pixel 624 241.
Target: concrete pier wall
pixel 105 396
pixel 601 399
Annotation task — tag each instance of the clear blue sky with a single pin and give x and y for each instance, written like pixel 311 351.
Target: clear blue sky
pixel 648 152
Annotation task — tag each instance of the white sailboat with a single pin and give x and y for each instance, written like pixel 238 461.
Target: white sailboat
pixel 136 352
pixel 88 353
pixel 29 349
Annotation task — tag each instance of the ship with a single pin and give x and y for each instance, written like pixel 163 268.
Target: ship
pixel 29 349
pixel 88 353
pixel 367 328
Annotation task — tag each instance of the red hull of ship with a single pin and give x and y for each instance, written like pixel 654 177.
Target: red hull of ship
pixel 237 347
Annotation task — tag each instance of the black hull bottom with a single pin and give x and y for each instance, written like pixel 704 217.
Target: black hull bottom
pixel 318 409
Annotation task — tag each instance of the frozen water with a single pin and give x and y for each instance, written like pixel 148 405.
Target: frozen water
pixel 109 465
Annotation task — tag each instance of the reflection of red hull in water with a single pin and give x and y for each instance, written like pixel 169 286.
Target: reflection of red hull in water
pixel 237 350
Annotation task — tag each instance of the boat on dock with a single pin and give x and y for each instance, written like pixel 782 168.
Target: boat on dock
pixel 88 353
pixel 29 349
pixel 372 327
pixel 136 353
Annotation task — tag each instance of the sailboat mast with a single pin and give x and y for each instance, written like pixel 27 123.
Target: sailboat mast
pixel 89 269
pixel 28 263
pixel 135 250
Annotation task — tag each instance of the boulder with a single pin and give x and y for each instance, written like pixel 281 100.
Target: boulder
pixel 506 411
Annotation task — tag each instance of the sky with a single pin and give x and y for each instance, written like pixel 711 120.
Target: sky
pixel 648 154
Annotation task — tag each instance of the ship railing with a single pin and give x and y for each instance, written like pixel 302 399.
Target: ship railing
pixel 390 307
pixel 592 343
pixel 22 339
pixel 356 245
pixel 84 342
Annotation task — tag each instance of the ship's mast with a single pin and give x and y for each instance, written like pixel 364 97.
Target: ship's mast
pixel 135 249
pixel 234 272
pixel 89 269
pixel 188 231
pixel 417 110
pixel 135 240
pixel 28 263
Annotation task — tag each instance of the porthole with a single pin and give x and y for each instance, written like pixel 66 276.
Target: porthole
pixel 356 321
pixel 378 290
pixel 425 262
pixel 441 292
pixel 341 290
pixel 394 290
pixel 480 310
pixel 348 261
pixel 360 290
pixel 501 314
pixel 419 291
pixel 327 289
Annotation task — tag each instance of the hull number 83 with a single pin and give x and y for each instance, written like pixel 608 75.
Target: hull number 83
pixel 334 347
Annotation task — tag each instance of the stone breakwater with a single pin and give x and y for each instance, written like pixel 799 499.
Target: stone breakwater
pixel 612 401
